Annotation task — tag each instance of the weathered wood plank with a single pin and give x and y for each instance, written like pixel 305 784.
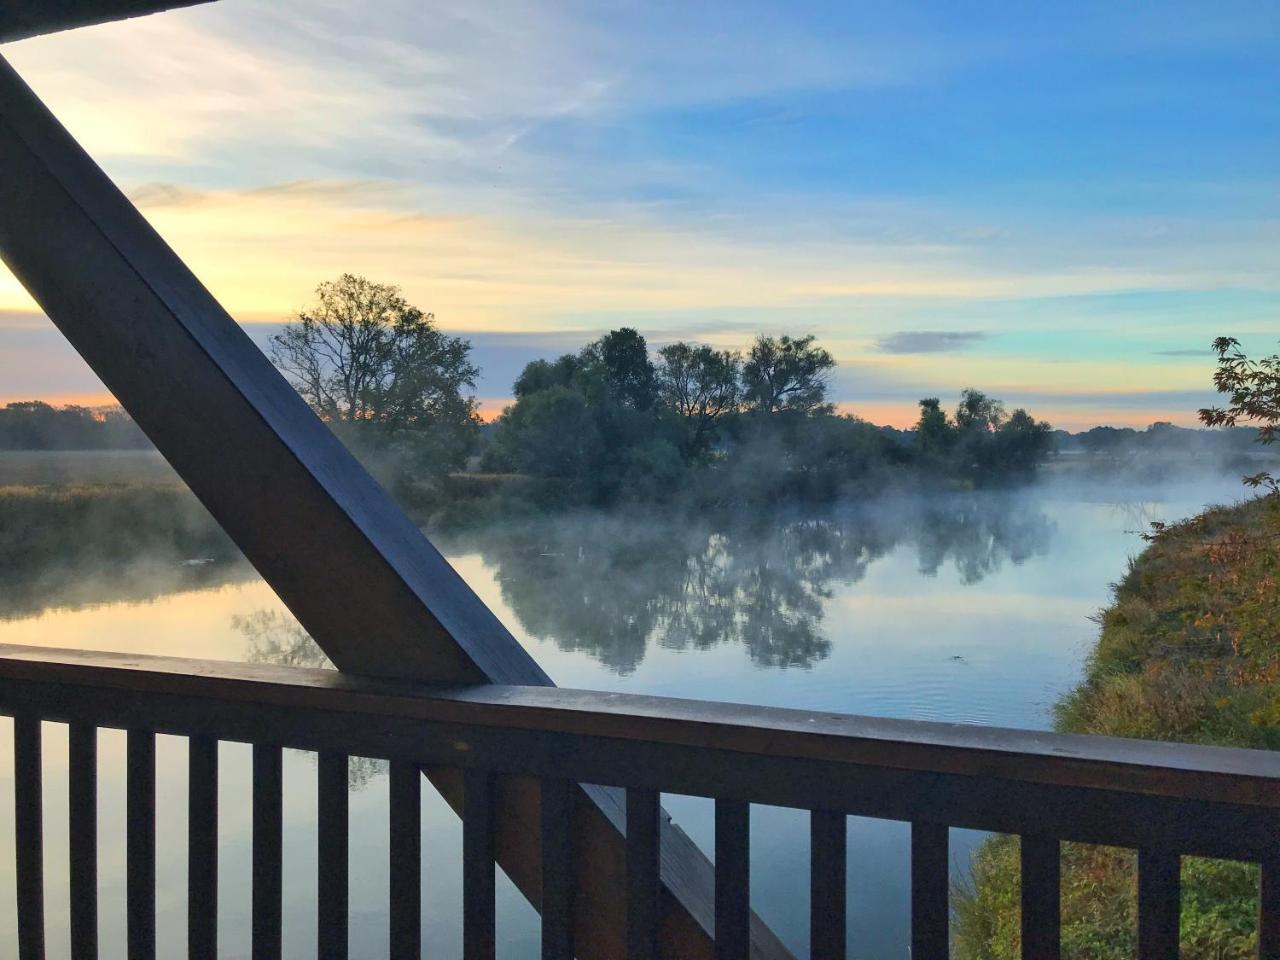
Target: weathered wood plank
pixel 202 848
pixel 405 822
pixel 20 19
pixel 332 856
pixel 828 895
pixel 930 886
pixel 360 577
pixel 1159 893
pixel 82 838
pixel 268 852
pixel 1041 897
pixel 28 823
pixel 140 844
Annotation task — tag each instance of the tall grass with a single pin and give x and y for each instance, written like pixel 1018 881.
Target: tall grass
pixel 1188 651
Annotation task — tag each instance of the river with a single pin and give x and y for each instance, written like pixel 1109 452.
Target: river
pixel 968 608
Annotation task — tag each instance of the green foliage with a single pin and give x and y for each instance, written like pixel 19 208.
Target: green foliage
pixel 701 385
pixel 607 424
pixel 592 425
pixel 786 373
pixel 1188 651
pixel 1254 389
pixel 934 432
pixel 74 545
pixel 981 445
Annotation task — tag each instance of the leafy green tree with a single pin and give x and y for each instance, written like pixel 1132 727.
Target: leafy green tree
pixel 380 371
pixel 979 412
pixel 934 433
pixel 1021 443
pixel 629 375
pixel 701 385
pixel 550 433
pixel 1254 389
pixel 542 374
pixel 786 373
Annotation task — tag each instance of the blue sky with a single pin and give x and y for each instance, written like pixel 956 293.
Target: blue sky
pixel 1054 202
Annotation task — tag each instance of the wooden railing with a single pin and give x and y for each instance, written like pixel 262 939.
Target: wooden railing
pixel 1165 800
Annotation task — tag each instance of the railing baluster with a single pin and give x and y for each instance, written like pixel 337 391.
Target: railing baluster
pixel 406 860
pixel 140 844
pixel 1269 910
pixel 82 838
pixel 557 869
pixel 1041 898
pixel 268 842
pixel 28 822
pixel 202 848
pixel 828 865
pixel 479 934
pixel 733 879
pixel 930 879
pixel 1159 891
pixel 333 882
pixel 643 852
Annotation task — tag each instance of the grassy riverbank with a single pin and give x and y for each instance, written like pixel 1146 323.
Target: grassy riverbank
pixel 1188 651
pixel 76 545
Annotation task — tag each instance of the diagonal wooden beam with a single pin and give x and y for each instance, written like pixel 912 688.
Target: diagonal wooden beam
pixel 359 576
pixel 20 19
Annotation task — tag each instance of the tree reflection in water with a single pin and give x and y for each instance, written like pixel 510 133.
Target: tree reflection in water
pixel 609 585
pixel 273 636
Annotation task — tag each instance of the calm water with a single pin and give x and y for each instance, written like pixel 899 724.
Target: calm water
pixel 972 609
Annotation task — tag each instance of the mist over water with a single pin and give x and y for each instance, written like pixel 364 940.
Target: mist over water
pixel 962 607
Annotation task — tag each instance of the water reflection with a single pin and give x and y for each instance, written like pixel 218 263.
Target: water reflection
pixel 272 636
pixel 76 547
pixel 610 585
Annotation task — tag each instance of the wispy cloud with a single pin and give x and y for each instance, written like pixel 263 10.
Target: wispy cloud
pixel 537 165
pixel 930 341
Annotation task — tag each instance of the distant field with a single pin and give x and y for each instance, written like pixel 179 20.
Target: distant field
pixel 83 466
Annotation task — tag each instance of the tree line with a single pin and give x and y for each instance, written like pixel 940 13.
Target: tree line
pixel 612 421
pixel 616 420
pixel 34 425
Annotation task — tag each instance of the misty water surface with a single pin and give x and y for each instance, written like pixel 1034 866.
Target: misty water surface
pixel 969 608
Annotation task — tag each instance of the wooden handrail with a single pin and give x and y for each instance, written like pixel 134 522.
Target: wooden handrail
pixel 1164 800
pixel 1106 789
